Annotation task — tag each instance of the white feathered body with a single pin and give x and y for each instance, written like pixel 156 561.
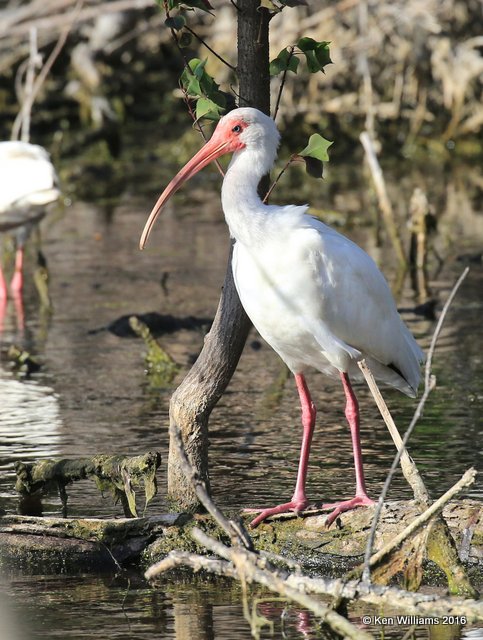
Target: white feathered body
pixel 27 176
pixel 320 301
pixel 317 298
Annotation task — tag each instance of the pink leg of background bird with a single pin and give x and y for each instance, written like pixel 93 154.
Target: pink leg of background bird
pixel 3 300
pixel 16 285
pixel 352 414
pixel 3 286
pixel 299 499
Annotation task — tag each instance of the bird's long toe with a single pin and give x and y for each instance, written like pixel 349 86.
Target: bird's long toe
pixel 346 505
pixel 287 507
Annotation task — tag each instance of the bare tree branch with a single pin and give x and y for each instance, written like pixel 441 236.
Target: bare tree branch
pixel 465 481
pixel 429 384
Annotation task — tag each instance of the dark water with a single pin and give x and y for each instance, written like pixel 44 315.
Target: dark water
pixel 91 394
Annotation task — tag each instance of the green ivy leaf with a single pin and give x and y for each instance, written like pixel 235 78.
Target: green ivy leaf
pixel 204 5
pixel 316 148
pixel 314 153
pixel 206 108
pixel 284 61
pixel 316 53
pixel 175 22
pixel 190 84
pixel 191 80
pixel 211 102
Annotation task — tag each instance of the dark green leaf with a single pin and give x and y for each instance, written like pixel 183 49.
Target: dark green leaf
pixel 219 98
pixel 314 167
pixel 316 53
pixel 185 39
pixel 323 54
pixel 284 60
pixel 175 22
pixel 204 5
pixel 199 84
pixel 317 148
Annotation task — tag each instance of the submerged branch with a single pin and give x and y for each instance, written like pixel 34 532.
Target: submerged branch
pixel 382 196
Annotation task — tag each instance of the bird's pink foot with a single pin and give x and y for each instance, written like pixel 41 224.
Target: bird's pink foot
pixel 346 505
pixel 294 505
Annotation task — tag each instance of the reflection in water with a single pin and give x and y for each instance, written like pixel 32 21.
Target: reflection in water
pixel 29 419
pixel 30 426
pixel 180 608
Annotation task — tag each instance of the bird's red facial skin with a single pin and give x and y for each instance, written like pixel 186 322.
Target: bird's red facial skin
pixel 231 132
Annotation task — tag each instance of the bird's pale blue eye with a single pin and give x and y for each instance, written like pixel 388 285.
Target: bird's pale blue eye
pixel 237 128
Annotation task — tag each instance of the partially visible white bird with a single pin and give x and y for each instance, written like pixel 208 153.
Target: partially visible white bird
pixel 28 183
pixel 316 297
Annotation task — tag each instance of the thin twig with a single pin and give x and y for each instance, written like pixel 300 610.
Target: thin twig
pixel 292 158
pixel 465 481
pixel 33 62
pixel 382 196
pixel 217 55
pixel 44 72
pixel 282 82
pixel 408 466
pixel 429 384
pixel 365 70
pixel 186 98
pixel 439 325
pixel 177 559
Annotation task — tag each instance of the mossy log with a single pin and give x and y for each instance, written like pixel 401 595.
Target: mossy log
pixel 87 544
pixel 115 473
pixel 60 545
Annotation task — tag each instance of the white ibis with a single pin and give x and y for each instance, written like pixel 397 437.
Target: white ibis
pixel 27 185
pixel 316 297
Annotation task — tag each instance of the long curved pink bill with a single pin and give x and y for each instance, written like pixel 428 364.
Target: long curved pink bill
pixel 210 151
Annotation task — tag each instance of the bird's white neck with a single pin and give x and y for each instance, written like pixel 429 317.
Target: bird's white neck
pixel 245 213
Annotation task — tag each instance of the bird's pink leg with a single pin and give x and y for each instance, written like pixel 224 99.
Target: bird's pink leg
pixel 352 414
pixel 16 285
pixel 299 499
pixel 3 286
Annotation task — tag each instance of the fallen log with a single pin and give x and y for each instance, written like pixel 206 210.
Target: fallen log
pixel 88 543
pixel 65 545
pixel 115 473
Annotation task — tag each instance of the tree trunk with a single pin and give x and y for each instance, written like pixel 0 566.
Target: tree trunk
pixel 195 398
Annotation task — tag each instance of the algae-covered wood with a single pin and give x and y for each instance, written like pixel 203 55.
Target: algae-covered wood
pixel 86 544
